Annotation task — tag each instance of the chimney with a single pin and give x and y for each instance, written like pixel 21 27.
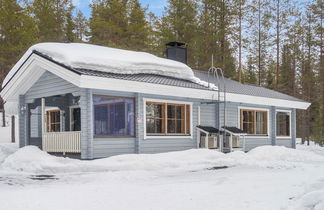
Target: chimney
pixel 176 51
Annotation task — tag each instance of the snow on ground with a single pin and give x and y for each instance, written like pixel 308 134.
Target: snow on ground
pixel 265 178
pixel 106 59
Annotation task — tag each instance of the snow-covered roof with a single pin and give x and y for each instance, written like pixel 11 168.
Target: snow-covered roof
pixel 106 59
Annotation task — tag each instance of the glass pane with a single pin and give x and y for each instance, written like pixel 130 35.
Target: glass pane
pixel 154 110
pixel 113 116
pixel 248 128
pixel 261 123
pixel 171 111
pixel 76 119
pixel 180 112
pixel 283 124
pixel 150 126
pixel 171 126
pixel 179 126
pixel 158 126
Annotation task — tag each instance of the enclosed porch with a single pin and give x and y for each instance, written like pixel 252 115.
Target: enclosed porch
pixel 54 124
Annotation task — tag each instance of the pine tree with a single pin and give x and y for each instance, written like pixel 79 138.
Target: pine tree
pixel 286 80
pixel 259 22
pixel 137 28
pixel 81 27
pixel 317 9
pixel 69 25
pixel 249 72
pixel 179 24
pixel 215 21
pixel 17 33
pixel 240 16
pixel 51 17
pixel 108 23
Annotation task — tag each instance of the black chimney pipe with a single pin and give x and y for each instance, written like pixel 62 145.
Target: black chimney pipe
pixel 177 51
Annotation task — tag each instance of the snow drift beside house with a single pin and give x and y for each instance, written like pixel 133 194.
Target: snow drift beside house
pixel 32 160
pixel 112 60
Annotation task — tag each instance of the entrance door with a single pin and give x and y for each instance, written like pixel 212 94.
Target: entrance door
pixel 75 119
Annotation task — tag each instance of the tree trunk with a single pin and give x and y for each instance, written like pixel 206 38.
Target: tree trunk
pixel 259 47
pixel 240 42
pixel 277 42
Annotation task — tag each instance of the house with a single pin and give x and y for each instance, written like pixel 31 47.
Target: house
pixel 93 102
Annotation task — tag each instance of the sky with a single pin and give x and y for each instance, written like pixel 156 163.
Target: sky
pixel 155 6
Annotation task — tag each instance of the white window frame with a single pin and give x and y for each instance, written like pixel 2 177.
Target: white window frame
pixel 70 114
pixel 166 136
pixel 61 118
pixel 287 111
pixel 267 136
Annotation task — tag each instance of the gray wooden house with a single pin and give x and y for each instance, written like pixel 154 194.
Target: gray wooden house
pixel 93 113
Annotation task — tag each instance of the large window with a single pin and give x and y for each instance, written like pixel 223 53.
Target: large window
pixel 254 122
pixel 113 117
pixel 283 123
pixel 167 118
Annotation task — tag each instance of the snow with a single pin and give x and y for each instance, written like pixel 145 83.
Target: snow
pixel 106 59
pixel 267 178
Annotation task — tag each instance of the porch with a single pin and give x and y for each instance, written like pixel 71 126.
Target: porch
pixel 54 124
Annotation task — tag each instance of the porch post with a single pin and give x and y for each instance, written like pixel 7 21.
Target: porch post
pixel 43 116
pixel 139 122
pixel 22 121
pixel 273 128
pixel 86 105
pixel 293 128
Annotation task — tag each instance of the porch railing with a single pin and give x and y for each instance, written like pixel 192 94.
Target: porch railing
pixel 62 142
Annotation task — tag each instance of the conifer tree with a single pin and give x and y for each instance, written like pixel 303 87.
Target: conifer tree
pixel 179 24
pixel 17 33
pixel 137 28
pixel 108 23
pixel 51 18
pixel 81 27
pixel 69 25
pixel 215 20
pixel 249 72
pixel 259 22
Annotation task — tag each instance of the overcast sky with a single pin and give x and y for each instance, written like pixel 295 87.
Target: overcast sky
pixel 155 6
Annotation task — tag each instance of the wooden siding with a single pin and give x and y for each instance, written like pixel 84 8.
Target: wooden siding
pixel 105 147
pixel 49 85
pixel 208 114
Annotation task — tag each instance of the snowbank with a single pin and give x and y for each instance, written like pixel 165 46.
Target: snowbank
pixel 311 198
pixel 31 159
pixel 106 59
pixel 312 148
pixel 6 150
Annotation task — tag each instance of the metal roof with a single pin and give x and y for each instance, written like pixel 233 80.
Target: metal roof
pixel 149 78
pixel 231 85
pixel 246 89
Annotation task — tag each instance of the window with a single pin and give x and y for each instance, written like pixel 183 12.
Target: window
pixel 113 116
pixel 167 118
pixel 53 120
pixel 75 119
pixel 254 122
pixel 283 123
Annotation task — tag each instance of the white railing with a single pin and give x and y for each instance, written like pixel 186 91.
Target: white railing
pixel 62 141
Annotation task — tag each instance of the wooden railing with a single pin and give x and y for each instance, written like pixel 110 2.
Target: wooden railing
pixel 62 142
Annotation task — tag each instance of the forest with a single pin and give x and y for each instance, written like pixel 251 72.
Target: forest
pixel 277 44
